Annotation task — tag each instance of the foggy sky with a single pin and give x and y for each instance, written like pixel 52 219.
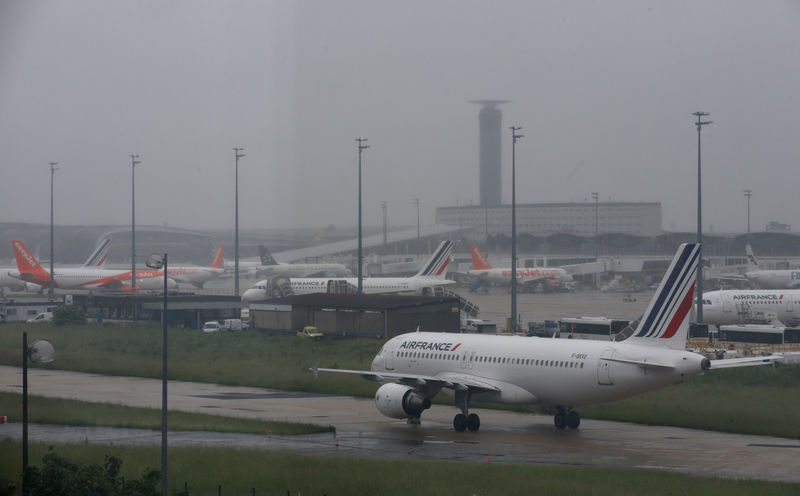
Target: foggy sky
pixel 604 92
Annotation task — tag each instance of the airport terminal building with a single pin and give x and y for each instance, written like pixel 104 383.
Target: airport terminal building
pixel 543 219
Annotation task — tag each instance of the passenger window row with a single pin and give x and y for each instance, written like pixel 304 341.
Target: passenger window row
pixel 531 362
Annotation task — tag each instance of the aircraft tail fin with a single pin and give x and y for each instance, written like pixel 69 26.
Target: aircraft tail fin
pixel 436 266
pixel 666 321
pixel 479 261
pixel 218 258
pixel 29 268
pixel 99 255
pixel 752 263
pixel 266 256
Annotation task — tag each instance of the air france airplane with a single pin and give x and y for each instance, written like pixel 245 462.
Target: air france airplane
pixel 742 306
pixel 554 375
pixel 432 274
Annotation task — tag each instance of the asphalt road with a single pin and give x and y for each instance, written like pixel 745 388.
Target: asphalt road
pixel 362 431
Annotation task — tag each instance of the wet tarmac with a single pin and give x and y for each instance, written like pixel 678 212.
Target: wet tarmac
pixel 362 431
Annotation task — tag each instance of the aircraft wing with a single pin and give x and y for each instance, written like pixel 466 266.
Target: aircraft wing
pixel 451 380
pixel 745 362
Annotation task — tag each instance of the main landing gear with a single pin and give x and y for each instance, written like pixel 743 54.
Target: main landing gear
pixel 566 418
pixel 465 420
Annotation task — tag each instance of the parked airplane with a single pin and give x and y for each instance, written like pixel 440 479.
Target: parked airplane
pixel 29 270
pixel 483 271
pixel 197 276
pixel 269 267
pixel 742 306
pixel 272 268
pixel 96 259
pixel 432 274
pixel 770 279
pixel 554 375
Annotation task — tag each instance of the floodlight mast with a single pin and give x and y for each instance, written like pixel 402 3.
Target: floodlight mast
pixel 361 148
pixel 699 285
pixel 514 138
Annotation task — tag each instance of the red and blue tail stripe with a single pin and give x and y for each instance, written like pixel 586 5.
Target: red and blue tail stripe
pixel 670 307
pixel 437 264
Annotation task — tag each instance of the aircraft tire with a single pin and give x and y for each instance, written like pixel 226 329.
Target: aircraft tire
pixel 560 420
pixel 473 422
pixel 460 422
pixel 573 419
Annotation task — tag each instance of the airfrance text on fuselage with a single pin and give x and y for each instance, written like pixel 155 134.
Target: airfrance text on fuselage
pixel 758 297
pixel 425 345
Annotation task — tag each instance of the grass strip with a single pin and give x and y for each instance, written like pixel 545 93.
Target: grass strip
pixel 752 400
pixel 60 411
pixel 204 470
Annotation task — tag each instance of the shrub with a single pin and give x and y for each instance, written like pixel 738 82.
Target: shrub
pixel 68 314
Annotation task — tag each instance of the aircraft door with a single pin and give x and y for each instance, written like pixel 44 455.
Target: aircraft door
pixel 604 368
pixel 389 360
pixel 726 303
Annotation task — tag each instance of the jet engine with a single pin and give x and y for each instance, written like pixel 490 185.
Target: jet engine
pixel 399 401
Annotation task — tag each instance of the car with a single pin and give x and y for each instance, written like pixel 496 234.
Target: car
pixel 42 317
pixel 212 326
pixel 311 332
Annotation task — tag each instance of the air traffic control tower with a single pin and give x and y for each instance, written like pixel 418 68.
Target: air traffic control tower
pixel 490 121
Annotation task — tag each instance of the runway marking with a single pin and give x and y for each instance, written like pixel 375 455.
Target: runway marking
pixel 759 445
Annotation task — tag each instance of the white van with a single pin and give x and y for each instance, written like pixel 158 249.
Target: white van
pixel 42 317
pixel 228 325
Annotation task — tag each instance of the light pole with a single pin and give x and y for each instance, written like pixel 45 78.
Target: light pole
pixel 514 138
pixel 39 352
pixel 134 163
pixel 748 193
pixel 699 286
pixel 596 198
pixel 50 291
pixel 384 206
pixel 156 261
pixel 485 224
pixel 361 148
pixel 416 202
pixel 236 229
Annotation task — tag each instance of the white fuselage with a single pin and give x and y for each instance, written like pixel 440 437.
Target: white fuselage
pixel 524 276
pixel 539 371
pixel 371 285
pixel 289 269
pixel 749 306
pixel 774 279
pixel 194 275
pixel 92 278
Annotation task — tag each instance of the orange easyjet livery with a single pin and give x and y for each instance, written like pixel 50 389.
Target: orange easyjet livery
pixel 87 277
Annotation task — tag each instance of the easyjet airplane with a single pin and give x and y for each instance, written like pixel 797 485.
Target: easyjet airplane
pixel 554 375
pixel 482 270
pixel 432 274
pixel 29 270
pixel 197 276
pixel 96 259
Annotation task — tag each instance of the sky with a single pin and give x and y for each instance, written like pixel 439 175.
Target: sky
pixel 603 91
